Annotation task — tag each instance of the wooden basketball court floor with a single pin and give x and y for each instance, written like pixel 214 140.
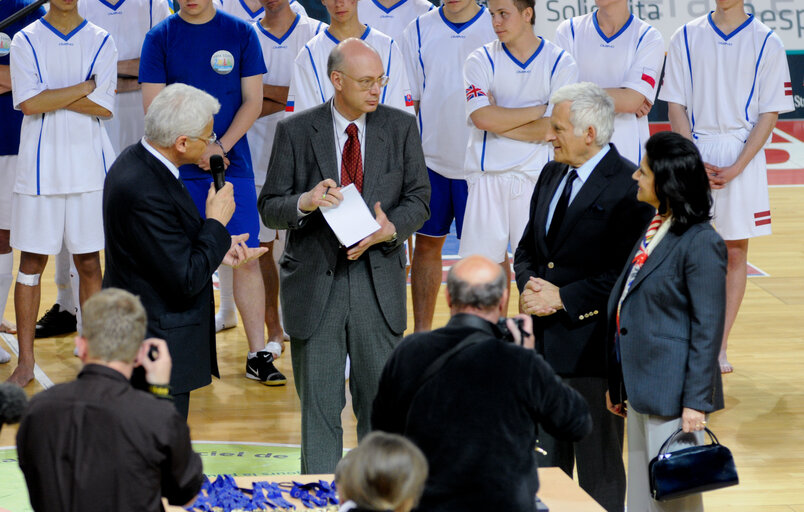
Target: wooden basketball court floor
pixel 763 422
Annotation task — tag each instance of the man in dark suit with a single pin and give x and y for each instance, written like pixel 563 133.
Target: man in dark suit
pixel 335 300
pixel 158 246
pixel 584 220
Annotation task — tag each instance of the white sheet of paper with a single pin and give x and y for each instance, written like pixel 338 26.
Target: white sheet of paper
pixel 351 220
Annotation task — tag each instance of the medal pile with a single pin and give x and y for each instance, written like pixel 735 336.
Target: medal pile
pixel 223 495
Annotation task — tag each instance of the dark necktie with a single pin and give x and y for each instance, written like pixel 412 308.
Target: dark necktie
pixel 351 163
pixel 561 208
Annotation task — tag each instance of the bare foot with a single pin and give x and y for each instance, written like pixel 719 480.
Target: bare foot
pixel 725 365
pixel 22 376
pixel 7 327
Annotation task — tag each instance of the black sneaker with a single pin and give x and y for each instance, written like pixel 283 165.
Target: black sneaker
pixel 262 368
pixel 56 322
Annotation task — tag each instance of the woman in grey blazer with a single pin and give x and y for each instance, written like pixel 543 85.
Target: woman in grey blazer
pixel 666 316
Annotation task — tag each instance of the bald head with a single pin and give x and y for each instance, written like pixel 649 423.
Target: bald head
pixel 475 283
pixel 352 53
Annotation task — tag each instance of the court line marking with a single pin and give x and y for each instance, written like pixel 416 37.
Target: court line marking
pixel 39 374
pixel 249 443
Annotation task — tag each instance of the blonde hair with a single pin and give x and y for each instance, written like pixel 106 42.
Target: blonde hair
pixel 382 473
pixel 114 325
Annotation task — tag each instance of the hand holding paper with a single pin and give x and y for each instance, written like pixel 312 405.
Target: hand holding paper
pixel 350 220
pixel 385 233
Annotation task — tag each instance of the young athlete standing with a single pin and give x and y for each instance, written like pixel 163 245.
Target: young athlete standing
pixel 64 75
pixel 436 47
pixel 726 82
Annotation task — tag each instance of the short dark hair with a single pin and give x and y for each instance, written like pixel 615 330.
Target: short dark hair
pixel 521 5
pixel 680 179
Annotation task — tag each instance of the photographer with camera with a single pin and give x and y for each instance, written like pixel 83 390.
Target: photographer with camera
pixel 471 396
pixel 96 443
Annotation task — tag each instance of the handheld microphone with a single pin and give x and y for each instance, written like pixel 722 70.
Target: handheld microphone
pixel 217 170
pixel 12 403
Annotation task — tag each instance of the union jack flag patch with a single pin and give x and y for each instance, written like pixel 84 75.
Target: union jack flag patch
pixel 474 92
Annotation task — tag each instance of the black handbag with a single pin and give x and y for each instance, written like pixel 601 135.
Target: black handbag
pixel 691 470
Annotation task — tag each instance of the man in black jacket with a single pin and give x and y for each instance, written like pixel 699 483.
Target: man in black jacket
pixel 159 247
pixel 584 221
pixel 96 443
pixel 476 417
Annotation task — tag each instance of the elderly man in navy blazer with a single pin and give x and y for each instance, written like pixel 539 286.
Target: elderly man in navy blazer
pixel 584 220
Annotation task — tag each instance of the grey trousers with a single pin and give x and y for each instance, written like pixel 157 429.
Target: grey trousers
pixel 352 324
pixel 646 434
pixel 598 456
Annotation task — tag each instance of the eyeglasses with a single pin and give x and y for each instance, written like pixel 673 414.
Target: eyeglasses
pixel 367 83
pixel 209 140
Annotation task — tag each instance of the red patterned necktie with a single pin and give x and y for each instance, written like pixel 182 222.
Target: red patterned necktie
pixel 351 162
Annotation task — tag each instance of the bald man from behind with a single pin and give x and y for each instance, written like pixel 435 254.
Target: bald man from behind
pixel 473 398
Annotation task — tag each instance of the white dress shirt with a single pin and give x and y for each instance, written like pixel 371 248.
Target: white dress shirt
pixel 159 156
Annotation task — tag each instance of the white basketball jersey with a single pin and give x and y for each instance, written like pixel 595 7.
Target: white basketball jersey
pixel 62 152
pixel 279 54
pixel 391 21
pixel 435 50
pixel 514 84
pixel 726 81
pixel 239 9
pixel 631 58
pixel 127 23
pixel 310 85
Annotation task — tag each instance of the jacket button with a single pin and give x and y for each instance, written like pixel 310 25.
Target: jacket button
pixel 596 312
pixel 623 331
pixel 551 265
pixel 580 317
pixel 329 272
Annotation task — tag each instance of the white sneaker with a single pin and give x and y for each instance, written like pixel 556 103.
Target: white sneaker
pixel 4 356
pixel 225 320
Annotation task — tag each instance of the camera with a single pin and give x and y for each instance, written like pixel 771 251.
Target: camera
pixel 507 335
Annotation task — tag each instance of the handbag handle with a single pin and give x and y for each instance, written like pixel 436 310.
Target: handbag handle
pixel 663 449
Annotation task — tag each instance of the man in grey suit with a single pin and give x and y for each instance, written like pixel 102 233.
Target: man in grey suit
pixel 339 301
pixel 584 220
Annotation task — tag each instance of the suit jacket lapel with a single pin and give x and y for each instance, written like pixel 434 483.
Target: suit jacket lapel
pixel 374 161
pixel 591 189
pixel 175 187
pixel 665 247
pixel 323 139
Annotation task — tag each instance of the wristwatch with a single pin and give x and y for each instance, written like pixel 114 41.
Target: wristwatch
pixel 393 238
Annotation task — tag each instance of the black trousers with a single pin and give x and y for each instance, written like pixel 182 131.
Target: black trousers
pixel 598 456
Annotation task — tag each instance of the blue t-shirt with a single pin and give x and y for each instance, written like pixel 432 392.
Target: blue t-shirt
pixel 10 119
pixel 212 57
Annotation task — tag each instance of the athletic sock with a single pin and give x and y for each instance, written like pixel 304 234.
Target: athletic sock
pixel 6 278
pixel 226 282
pixel 65 296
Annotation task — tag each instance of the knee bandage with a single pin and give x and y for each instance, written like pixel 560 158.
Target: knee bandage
pixel 28 279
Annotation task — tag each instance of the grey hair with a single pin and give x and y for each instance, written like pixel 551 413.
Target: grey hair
pixel 590 106
pixel 336 56
pixel 482 296
pixel 114 323
pixel 177 110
